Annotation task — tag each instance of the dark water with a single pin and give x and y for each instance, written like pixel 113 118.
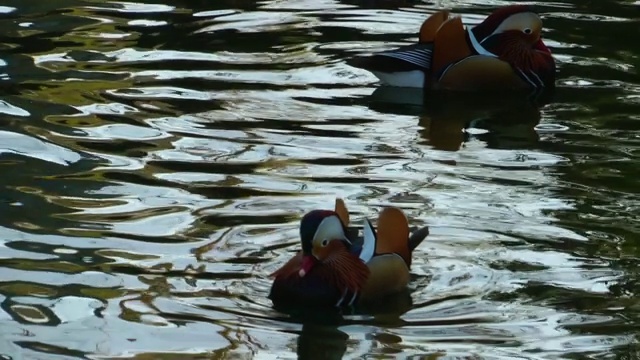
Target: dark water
pixel 155 159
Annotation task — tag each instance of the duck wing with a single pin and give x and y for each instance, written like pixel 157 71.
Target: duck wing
pixel 387 254
pixel 404 59
pixel 450 46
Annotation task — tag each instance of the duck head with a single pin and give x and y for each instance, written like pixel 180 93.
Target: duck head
pixel 327 270
pixel 323 235
pixel 516 20
pixel 513 34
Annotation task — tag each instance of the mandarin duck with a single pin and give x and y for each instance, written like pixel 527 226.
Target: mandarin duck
pixel 503 52
pixel 335 268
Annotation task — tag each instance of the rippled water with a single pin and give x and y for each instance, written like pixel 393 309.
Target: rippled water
pixel 157 157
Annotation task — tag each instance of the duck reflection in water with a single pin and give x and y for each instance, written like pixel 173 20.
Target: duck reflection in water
pixel 318 341
pixel 321 337
pixel 508 120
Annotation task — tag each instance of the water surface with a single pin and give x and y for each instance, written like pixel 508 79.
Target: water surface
pixel 156 159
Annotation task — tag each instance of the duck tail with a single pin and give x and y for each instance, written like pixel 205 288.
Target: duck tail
pixel 417 237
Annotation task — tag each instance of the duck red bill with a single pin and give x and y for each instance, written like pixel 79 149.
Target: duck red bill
pixel 308 262
pixel 540 46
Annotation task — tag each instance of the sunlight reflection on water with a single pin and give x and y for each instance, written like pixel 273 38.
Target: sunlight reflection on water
pixel 157 159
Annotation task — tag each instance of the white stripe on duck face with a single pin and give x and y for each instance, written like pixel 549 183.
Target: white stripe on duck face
pixel 330 228
pixel 408 79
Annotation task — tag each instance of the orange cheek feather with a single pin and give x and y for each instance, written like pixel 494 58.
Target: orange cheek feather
pixel 322 252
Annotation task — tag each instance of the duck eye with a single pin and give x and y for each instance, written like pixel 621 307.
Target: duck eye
pixel 527 31
pixel 324 242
